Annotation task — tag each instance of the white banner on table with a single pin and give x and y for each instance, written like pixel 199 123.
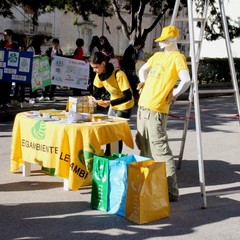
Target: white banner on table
pixel 69 72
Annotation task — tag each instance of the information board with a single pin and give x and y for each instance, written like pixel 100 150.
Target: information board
pixel 69 72
pixel 16 66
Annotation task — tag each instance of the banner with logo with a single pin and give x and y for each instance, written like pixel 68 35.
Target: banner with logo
pixel 48 145
pixel 68 148
pixel 41 76
pixel 69 72
pixel 16 66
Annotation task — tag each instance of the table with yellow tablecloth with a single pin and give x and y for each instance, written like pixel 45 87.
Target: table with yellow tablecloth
pixel 68 148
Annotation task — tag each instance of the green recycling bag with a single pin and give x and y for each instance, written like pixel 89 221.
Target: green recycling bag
pixel 100 175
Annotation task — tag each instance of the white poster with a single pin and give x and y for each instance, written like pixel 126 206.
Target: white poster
pixel 69 72
pixel 13 58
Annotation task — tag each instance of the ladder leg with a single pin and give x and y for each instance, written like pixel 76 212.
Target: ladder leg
pixel 194 92
pixel 196 104
pixel 175 11
pixel 184 135
pixel 230 57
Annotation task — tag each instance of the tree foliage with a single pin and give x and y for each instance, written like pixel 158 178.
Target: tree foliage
pixel 83 8
pixel 135 8
pixel 214 26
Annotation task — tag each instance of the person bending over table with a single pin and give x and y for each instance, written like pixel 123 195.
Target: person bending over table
pixel 121 100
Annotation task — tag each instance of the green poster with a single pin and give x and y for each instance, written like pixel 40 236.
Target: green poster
pixel 41 72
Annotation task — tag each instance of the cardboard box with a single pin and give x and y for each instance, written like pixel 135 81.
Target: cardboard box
pixel 81 105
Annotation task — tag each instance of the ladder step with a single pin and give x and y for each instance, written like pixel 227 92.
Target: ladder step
pixel 189 63
pixel 209 91
pixel 185 19
pixel 175 139
pixel 188 41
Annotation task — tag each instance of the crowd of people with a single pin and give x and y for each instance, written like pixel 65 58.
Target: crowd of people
pixel 101 44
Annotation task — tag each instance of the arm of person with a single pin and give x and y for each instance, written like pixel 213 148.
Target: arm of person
pixel 59 52
pixel 97 93
pixel 142 74
pixel 184 84
pixel 127 96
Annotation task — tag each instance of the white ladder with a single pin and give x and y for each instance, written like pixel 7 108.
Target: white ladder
pixel 196 44
pixel 195 49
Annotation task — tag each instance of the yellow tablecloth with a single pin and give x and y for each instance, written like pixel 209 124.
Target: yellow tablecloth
pixel 69 148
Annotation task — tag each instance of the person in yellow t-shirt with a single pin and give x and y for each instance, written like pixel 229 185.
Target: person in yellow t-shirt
pixel 117 85
pixel 158 77
pixel 115 82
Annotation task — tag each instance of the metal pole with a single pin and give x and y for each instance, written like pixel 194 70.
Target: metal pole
pixel 230 57
pixel 175 11
pixel 196 104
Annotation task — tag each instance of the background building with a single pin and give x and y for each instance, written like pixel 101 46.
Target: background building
pixel 68 29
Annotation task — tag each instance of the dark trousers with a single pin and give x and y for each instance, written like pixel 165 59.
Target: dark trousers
pixel 5 92
pixel 49 90
pixel 19 92
pixel 108 148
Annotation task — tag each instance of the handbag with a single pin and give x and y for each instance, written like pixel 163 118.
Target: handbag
pixel 147 195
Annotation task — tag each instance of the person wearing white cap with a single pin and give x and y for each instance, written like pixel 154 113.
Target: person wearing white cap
pixel 158 76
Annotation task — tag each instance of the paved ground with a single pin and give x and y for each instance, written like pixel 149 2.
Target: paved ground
pixel 36 207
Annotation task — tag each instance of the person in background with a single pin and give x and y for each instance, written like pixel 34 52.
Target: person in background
pixel 19 88
pixel 107 50
pixel 94 46
pixel 54 50
pixel 140 55
pixel 35 47
pixel 106 47
pixel 5 87
pixel 128 64
pixel 140 59
pixel 158 77
pixel 116 83
pixel 78 54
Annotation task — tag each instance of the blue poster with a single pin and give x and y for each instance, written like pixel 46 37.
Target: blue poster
pixel 16 66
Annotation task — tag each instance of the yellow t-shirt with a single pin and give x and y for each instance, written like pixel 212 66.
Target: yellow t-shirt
pixel 115 86
pixel 163 75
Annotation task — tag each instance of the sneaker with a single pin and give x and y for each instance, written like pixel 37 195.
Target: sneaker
pixel 32 100
pixel 3 107
pixel 53 99
pixel 43 99
pixel 7 105
pixel 25 105
pixel 14 103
